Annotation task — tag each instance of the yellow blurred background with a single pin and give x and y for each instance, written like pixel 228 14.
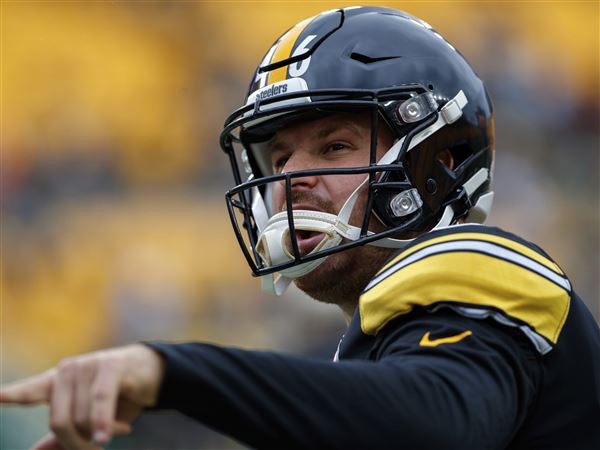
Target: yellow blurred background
pixel 114 227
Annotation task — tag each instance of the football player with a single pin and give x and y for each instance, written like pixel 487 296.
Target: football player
pixel 363 164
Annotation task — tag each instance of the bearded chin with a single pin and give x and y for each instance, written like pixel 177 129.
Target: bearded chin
pixel 342 276
pixel 322 284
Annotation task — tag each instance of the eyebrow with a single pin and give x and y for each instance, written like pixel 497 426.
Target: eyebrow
pixel 276 145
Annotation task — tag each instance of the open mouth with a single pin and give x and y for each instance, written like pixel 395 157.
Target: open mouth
pixel 307 240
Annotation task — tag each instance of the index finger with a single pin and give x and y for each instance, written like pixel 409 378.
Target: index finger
pixel 30 391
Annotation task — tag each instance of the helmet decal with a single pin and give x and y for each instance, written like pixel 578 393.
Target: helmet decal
pixel 284 47
pixel 291 54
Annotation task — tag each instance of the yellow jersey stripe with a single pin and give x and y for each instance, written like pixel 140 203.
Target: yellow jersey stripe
pixel 506 242
pixel 467 278
pixel 284 49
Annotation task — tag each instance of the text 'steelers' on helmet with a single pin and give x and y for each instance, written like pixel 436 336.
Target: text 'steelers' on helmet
pixel 408 78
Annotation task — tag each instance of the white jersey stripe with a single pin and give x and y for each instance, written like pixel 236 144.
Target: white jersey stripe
pixel 487 248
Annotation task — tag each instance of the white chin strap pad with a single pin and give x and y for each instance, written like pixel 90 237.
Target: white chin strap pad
pixel 274 243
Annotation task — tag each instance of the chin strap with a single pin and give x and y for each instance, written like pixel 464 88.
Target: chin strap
pixel 274 232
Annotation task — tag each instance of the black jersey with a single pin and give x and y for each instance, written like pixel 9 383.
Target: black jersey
pixel 470 338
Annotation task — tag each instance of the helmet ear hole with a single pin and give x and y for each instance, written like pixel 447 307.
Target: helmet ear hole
pixel 446 158
pixel 460 153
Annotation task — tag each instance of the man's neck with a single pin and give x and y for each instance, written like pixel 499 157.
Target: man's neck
pixel 348 310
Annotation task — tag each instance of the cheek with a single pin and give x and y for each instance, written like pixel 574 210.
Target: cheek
pixel 341 187
pixel 277 197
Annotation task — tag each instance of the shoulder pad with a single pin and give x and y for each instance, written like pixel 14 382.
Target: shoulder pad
pixel 474 267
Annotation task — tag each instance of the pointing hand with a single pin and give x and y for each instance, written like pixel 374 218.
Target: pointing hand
pixel 93 396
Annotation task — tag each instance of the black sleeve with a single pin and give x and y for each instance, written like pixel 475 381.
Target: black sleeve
pixel 472 394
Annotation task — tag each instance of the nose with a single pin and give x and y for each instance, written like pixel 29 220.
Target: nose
pixel 297 162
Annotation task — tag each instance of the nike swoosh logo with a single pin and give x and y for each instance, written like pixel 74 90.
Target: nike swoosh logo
pixel 426 342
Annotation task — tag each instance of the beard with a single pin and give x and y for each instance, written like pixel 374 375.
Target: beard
pixel 342 276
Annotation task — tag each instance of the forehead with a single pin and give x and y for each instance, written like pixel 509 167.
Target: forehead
pixel 358 123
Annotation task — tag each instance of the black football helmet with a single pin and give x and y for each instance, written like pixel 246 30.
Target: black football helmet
pixel 409 78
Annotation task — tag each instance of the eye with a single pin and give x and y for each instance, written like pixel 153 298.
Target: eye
pixel 336 146
pixel 279 162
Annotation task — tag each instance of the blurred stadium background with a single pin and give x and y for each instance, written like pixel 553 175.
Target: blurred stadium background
pixel 114 227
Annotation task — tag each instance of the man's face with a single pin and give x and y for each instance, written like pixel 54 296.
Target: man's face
pixel 340 140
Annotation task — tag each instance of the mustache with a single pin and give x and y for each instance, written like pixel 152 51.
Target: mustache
pixel 311 199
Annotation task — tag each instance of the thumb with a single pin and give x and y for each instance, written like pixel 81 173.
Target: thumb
pixel 48 442
pixel 51 442
pixel 29 391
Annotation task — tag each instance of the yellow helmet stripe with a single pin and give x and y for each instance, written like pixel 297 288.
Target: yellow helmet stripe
pixel 284 49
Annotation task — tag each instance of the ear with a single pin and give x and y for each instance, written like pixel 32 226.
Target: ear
pixel 445 157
